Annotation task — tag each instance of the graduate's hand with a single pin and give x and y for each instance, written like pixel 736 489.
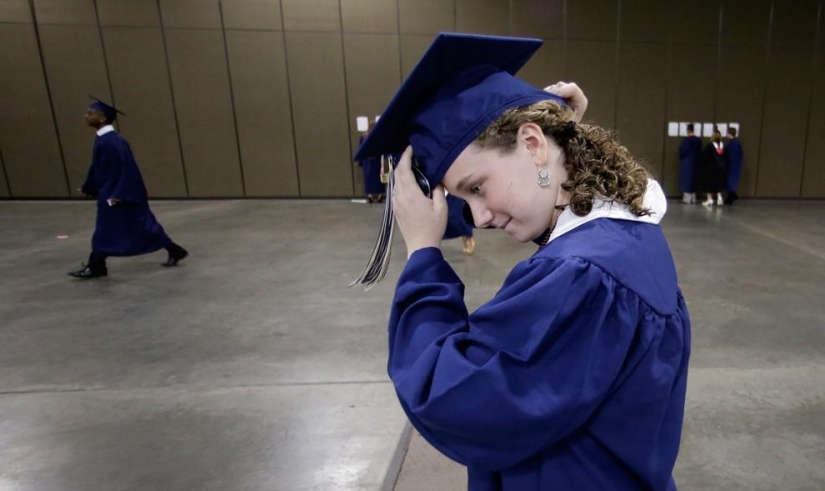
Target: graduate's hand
pixel 573 95
pixel 422 220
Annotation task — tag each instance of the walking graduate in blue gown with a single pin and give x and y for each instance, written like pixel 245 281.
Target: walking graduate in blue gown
pixel 125 225
pixel 733 149
pixel 573 376
pixel 374 188
pixel 457 226
pixel 690 152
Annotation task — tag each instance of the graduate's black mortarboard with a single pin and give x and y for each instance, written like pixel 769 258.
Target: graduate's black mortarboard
pixel 460 86
pixel 108 110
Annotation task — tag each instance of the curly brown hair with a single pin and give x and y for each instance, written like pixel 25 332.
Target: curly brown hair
pixel 597 164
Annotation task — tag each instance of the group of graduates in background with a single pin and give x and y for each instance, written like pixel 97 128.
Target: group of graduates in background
pixel 714 169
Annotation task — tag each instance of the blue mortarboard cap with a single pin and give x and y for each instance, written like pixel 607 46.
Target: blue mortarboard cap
pixel 462 84
pixel 109 111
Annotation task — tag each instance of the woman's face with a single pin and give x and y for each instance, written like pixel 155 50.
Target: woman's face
pixel 502 188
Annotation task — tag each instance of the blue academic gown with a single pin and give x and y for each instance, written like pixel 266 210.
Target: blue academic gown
pixel 128 228
pixel 572 378
pixel 456 225
pixel 734 150
pixel 690 151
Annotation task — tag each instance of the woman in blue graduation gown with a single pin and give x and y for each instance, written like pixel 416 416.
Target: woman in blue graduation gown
pixel 125 226
pixel 371 166
pixel 573 376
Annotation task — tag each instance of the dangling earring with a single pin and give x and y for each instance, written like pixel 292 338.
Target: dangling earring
pixel 544 177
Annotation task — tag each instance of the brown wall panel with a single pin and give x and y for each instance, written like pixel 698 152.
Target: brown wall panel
pixel 312 15
pixel 695 22
pixel 538 18
pixel 412 48
pixel 691 83
pixel 137 68
pixel 794 24
pixel 546 67
pixel 745 22
pixel 784 126
pixel 31 153
pixel 640 111
pixel 739 100
pixel 75 68
pixel 252 14
pixel 426 16
pixel 316 73
pixel 259 84
pixel 370 16
pixel 202 14
pixel 66 12
pixel 591 64
pixel 592 20
pixel 813 177
pixel 133 13
pixel 690 97
pixel 642 21
pixel 200 83
pixel 15 11
pixel 373 75
pixel 483 16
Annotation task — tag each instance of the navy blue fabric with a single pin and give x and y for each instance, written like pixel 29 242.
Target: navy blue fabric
pixel 107 110
pixel 734 150
pixel 372 174
pixel 571 378
pixel 461 84
pixel 690 151
pixel 456 225
pixel 128 228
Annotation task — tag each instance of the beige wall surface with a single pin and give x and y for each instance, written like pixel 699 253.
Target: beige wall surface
pixel 259 98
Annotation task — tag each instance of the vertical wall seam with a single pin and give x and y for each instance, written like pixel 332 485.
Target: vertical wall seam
pixel 172 94
pixel 668 68
pixel 510 17
pixel 346 96
pixel 400 51
pixel 51 99
pixel 105 61
pixel 765 76
pixel 289 96
pixel 718 62
pixel 232 98
pixel 811 93
pixel 564 39
pixel 5 173
pixel 616 54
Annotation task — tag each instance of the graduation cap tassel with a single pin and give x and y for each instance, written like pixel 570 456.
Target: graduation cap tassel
pixel 379 261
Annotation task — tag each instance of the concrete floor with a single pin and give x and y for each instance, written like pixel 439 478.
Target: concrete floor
pixel 252 367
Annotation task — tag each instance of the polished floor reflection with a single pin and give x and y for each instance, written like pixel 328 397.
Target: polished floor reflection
pixel 252 366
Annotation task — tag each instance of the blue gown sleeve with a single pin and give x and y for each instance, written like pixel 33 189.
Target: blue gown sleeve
pixel 128 184
pixel 522 372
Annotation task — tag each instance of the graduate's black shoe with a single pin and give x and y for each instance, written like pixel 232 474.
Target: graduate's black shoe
pixel 175 259
pixel 88 273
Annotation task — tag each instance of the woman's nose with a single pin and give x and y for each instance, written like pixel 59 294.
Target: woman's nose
pixel 480 216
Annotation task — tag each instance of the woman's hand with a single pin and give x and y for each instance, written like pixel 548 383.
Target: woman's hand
pixel 422 220
pixel 573 95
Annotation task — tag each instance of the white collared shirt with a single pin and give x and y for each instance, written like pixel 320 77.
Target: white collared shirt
pixel 105 129
pixel 654 200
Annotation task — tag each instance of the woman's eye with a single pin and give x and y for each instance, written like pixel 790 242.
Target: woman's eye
pixel 476 189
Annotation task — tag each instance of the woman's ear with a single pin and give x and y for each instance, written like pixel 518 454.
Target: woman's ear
pixel 531 135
